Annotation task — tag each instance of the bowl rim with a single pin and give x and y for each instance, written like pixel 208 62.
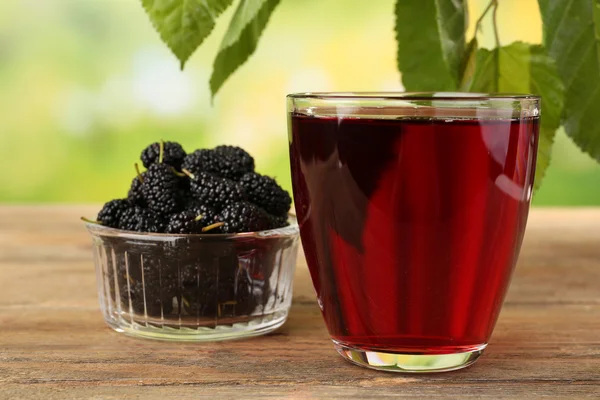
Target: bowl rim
pixel 291 230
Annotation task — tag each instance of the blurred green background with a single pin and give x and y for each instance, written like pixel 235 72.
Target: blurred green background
pixel 86 84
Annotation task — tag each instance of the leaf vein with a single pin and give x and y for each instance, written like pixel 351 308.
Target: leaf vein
pixel 580 62
pixel 589 100
pixel 562 20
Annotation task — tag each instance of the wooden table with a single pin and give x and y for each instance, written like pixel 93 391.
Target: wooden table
pixel 53 341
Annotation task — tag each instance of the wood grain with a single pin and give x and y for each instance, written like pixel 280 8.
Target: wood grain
pixel 54 344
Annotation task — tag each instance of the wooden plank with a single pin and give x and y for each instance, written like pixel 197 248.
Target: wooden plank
pixel 53 342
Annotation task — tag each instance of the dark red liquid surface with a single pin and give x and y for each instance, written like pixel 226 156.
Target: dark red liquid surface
pixel 411 228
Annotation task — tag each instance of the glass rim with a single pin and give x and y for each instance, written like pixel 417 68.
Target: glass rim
pixel 416 96
pixel 103 231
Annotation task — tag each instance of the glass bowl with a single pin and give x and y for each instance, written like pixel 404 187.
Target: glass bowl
pixel 195 287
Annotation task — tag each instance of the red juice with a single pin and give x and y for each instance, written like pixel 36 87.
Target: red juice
pixel 412 226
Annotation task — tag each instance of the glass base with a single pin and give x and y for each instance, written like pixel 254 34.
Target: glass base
pixel 409 363
pixel 252 326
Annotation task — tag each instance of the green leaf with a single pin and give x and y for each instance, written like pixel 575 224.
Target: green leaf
pixel 545 82
pixel 505 69
pixel 431 52
pixel 572 37
pixel 468 67
pixel 486 76
pixel 524 68
pixel 241 39
pixel 184 24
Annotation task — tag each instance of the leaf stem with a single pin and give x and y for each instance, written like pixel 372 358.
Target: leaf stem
pixel 487 9
pixel 497 37
pixel 495 23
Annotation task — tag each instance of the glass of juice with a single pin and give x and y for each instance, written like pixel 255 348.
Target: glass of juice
pixel 412 209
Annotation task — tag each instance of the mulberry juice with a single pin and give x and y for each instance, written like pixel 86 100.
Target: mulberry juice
pixel 411 227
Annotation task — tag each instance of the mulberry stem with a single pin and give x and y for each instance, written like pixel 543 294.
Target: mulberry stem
pixel 90 221
pixel 213 226
pixel 179 174
pixel 139 174
pixel 188 173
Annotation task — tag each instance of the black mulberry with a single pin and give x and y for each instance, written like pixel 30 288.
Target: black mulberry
pixel 243 217
pixel 173 154
pixel 184 222
pixel 208 213
pixel 161 189
pixel 205 293
pixel 240 158
pixel 112 211
pixel 277 222
pixel 155 301
pixel 141 220
pixel 216 163
pixel 266 193
pixel 135 195
pixel 213 191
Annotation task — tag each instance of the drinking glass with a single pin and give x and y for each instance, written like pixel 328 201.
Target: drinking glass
pixel 412 209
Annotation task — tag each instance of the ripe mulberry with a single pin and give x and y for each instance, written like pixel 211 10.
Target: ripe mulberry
pixel 141 220
pixel 243 217
pixel 215 192
pixel 266 193
pixel 173 154
pixel 217 163
pixel 161 189
pixel 112 211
